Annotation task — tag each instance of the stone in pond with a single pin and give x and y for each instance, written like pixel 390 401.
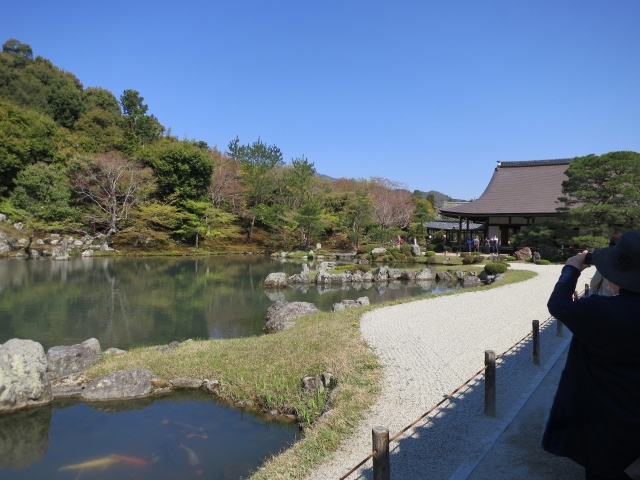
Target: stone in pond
pixel 120 385
pixel 64 361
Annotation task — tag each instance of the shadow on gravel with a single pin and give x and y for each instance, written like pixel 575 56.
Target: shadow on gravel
pixel 455 437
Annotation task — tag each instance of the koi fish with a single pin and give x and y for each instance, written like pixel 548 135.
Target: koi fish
pixel 184 426
pixel 203 436
pixel 98 463
pixel 193 458
pixel 136 462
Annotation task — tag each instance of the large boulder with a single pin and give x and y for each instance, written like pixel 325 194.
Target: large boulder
pixel 379 250
pixel 326 266
pixel 394 273
pixel 345 304
pixel 63 361
pixel 471 281
pixel 381 274
pixel 523 254
pixel 280 315
pixel 408 275
pixel 428 273
pixel 275 280
pixel 23 375
pixel 61 252
pixel 415 250
pixel 299 278
pixel 445 277
pixel 120 385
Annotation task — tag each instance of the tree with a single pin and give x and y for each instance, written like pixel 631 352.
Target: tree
pixel 183 170
pixel 225 187
pixel 113 184
pixel 602 195
pixel 13 46
pixel 258 161
pixel 392 204
pixel 132 107
pixel 65 103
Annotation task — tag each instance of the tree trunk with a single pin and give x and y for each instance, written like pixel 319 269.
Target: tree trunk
pixel 253 221
pixel 197 237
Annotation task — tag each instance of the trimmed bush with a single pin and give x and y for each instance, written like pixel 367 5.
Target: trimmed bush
pixel 393 250
pixel 494 268
pixel 405 249
pixel 432 260
pixel 431 246
pixel 468 260
pixel 362 249
pixel 511 258
pixel 353 267
pixel 429 253
pixel 543 262
pixel 478 259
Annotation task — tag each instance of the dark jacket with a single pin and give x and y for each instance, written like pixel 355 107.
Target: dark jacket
pixel 595 418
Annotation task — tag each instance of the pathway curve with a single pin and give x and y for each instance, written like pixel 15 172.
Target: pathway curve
pixel 428 348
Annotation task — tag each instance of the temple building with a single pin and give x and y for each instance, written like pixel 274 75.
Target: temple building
pixel 519 194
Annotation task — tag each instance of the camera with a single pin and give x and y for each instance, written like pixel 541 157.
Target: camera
pixel 588 259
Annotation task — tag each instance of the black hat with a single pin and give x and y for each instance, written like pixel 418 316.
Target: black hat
pixel 621 264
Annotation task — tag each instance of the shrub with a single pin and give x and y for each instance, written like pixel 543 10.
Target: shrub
pixel 432 260
pixel 353 267
pixel 393 250
pixel 366 249
pixel 429 253
pixel 543 262
pixel 468 260
pixel 431 246
pixel 558 259
pixel 406 249
pixel 494 268
pixel 511 258
pixel 478 259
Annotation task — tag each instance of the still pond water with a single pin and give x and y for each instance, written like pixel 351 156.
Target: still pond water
pixel 185 435
pixel 126 302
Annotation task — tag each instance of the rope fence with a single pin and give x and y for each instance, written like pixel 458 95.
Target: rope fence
pixel 380 435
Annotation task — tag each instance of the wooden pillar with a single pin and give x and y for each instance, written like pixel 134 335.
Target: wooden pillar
pixel 381 465
pixel 459 234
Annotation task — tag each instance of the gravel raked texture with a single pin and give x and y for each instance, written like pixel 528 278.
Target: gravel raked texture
pixel 427 349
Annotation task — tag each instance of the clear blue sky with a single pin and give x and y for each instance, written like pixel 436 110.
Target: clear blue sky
pixel 423 92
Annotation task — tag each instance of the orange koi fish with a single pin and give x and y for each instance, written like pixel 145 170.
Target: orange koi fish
pixel 203 436
pixel 136 462
pixel 91 464
pixel 184 426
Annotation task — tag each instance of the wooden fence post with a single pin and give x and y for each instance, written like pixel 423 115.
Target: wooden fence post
pixel 381 465
pixel 490 383
pixel 536 342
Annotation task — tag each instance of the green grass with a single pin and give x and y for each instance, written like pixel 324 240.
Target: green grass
pixel 267 370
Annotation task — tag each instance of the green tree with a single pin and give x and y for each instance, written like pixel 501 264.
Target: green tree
pixel 43 191
pixel 602 195
pixel 309 221
pixel 13 46
pixel 132 107
pixel 258 162
pixel 183 170
pixel 65 103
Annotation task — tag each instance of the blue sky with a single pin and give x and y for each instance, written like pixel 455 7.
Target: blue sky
pixel 427 93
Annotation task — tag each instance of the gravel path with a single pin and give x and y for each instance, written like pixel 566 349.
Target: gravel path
pixel 430 347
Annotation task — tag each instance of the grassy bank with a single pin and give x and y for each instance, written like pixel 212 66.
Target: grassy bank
pixel 267 371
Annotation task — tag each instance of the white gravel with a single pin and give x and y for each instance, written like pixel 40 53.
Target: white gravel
pixel 430 347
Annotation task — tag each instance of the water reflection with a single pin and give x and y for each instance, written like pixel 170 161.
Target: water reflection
pixel 182 436
pixel 125 302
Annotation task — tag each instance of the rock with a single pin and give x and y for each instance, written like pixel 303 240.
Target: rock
pixel 280 315
pixel 66 391
pixel 186 383
pixel 426 274
pixel 23 375
pixel 55 236
pixel 119 385
pixel 87 253
pixel 444 277
pixel 54 242
pixel 275 280
pixel 367 277
pixel 25 437
pixel 318 246
pixel 346 304
pixel 312 383
pixel 523 254
pixel 211 385
pixel 460 274
pixel 393 273
pixel 39 242
pixel 34 254
pixel 61 252
pixel 161 391
pixel 415 251
pixel 63 361
pixel 408 275
pixel 483 276
pixel 305 268
pixel 169 347
pixel 113 351
pixel 4 247
pixel 22 242
pixel 326 378
pixel 326 266
pixel 498 277
pixel 379 250
pixel 160 383
pixel 469 282
pixel 78 243
pixel 380 274
pixel 299 278
pixel 18 226
pixel 535 256
pixel 3 217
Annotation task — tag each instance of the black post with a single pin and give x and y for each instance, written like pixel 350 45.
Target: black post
pixel 381 465
pixel 490 383
pixel 536 342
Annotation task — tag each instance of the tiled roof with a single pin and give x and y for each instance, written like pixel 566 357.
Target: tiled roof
pixel 518 189
pixel 453 225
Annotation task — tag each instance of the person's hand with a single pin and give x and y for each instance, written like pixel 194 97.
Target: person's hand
pixel 578 261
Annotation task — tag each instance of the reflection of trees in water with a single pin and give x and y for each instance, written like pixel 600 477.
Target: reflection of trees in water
pixel 24 437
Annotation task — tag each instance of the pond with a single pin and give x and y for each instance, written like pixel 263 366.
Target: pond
pixel 125 301
pixel 185 435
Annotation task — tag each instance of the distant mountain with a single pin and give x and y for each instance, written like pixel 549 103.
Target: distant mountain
pixel 439 197
pixel 325 177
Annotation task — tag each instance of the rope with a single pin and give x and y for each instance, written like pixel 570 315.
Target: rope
pixel 448 397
